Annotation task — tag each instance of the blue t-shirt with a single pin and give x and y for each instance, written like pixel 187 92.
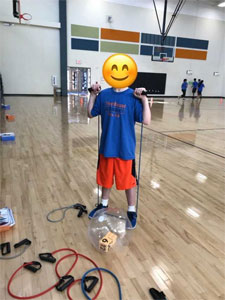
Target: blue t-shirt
pixel 119 111
pixel 200 87
pixel 184 85
pixel 194 84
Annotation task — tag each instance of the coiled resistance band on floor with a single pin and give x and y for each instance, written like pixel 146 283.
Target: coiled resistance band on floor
pixel 100 269
pixel 69 288
pixel 63 209
pixel 74 253
pixel 82 209
pixel 48 289
pixel 16 255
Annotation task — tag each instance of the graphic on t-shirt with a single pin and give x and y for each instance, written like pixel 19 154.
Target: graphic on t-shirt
pixel 114 109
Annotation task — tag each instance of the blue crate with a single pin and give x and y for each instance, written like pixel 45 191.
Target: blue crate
pixel 5 106
pixel 8 136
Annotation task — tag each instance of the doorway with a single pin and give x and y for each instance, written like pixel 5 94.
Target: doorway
pixel 78 80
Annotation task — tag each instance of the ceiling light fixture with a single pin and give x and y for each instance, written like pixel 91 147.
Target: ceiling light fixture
pixel 222 4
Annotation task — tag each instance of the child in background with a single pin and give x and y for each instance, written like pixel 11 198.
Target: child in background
pixel 200 88
pixel 194 87
pixel 184 89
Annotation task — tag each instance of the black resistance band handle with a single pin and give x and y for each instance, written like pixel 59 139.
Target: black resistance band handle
pixel 16 9
pixel 34 266
pixel 47 257
pixel 23 242
pixel 91 90
pixel 5 248
pixel 64 282
pixel 94 281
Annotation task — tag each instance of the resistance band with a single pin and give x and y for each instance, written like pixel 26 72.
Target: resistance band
pixel 139 168
pixel 16 255
pixel 61 279
pixel 48 289
pixel 98 153
pixel 100 269
pixel 82 209
pixel 26 243
pixel 100 275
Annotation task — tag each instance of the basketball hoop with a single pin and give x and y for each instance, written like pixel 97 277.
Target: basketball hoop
pixel 26 17
pixel 164 58
pixel 17 12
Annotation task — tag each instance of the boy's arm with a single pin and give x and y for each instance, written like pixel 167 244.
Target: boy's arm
pixel 91 104
pixel 146 108
pixel 96 88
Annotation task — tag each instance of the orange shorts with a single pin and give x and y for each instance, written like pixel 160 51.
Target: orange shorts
pixel 123 170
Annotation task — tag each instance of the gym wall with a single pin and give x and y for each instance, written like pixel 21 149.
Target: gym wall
pixel 142 20
pixel 223 65
pixel 29 55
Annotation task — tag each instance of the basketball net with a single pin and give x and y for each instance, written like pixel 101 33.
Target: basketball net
pixel 24 16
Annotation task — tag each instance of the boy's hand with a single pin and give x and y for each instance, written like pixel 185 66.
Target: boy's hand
pixel 96 88
pixel 137 93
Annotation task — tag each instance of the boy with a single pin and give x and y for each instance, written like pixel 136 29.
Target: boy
pixel 184 88
pixel 194 87
pixel 119 108
pixel 200 88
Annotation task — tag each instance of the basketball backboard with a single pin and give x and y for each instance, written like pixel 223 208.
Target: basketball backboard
pixel 162 57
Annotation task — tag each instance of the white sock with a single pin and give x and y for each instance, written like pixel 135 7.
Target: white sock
pixel 105 202
pixel 132 208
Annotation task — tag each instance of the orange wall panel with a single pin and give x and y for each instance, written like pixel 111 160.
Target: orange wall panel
pixel 191 54
pixel 120 35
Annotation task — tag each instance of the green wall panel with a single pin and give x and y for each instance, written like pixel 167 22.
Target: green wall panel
pixel 119 48
pixel 85 31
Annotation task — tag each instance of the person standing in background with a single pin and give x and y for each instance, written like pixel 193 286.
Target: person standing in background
pixel 200 88
pixel 184 89
pixel 194 87
pixel 199 80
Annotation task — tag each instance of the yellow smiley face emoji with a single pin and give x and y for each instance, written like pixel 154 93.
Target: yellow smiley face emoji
pixel 119 70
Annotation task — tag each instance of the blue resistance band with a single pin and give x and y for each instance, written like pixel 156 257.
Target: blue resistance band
pixel 100 269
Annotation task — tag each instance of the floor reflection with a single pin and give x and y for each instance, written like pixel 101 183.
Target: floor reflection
pixel 77 108
pixel 181 111
pixel 157 109
pixel 195 109
pixel 2 121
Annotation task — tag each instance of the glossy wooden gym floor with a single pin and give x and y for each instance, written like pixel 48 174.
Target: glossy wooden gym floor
pixel 178 245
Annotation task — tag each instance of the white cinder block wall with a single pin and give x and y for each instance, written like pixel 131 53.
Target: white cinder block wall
pixel 94 13
pixel 29 55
